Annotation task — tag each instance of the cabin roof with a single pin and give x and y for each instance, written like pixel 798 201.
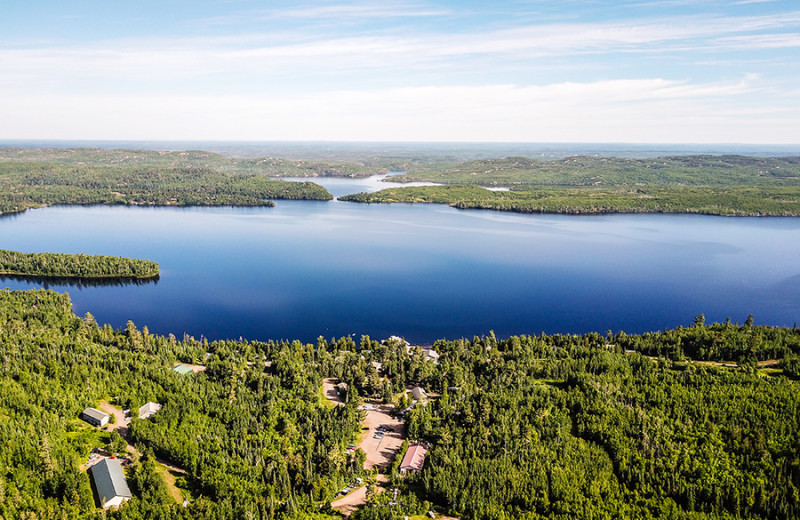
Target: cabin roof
pixel 414 457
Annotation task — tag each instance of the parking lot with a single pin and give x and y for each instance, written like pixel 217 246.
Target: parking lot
pixel 382 437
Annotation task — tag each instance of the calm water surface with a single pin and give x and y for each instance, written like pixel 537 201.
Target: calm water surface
pixel 338 186
pixel 304 269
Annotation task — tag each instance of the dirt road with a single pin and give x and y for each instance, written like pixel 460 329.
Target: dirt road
pixel 349 503
pixel 120 422
pixel 330 391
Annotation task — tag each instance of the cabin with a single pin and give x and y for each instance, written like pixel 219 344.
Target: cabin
pixel 428 352
pixel 418 393
pixel 431 354
pixel 110 484
pixel 148 409
pixel 414 458
pixel 95 417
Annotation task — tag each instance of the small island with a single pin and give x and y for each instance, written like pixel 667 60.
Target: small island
pixel 76 266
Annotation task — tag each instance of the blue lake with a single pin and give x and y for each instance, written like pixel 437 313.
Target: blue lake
pixel 305 269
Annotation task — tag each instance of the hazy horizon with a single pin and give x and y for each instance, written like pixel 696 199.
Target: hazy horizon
pixel 463 150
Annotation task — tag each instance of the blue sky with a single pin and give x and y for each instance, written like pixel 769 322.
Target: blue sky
pixel 672 71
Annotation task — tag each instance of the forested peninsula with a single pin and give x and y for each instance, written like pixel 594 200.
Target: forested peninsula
pixel 82 266
pixel 713 185
pixel 40 177
pixel 693 423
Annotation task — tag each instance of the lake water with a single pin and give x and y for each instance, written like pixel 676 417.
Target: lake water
pixel 305 269
pixel 338 186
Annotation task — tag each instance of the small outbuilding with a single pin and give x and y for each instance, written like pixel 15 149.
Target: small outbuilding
pixel 148 409
pixel 110 484
pixel 414 458
pixel 182 369
pixel 95 417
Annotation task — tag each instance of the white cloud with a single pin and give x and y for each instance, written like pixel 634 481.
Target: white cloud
pixel 234 58
pixel 503 84
pixel 653 110
pixel 338 13
pixel 362 10
pixel 760 41
pixel 747 2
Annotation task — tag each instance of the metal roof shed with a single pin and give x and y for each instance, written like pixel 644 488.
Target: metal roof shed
pixel 109 481
pixel 95 417
pixel 414 458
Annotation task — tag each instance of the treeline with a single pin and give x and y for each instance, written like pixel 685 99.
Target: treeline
pixel 733 201
pixel 686 170
pixel 190 159
pixel 26 185
pixel 63 265
pixel 529 427
pixel 583 427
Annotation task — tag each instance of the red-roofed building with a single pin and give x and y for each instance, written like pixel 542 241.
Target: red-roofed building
pixel 414 458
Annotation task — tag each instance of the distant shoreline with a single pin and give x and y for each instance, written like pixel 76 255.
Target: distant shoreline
pixel 327 149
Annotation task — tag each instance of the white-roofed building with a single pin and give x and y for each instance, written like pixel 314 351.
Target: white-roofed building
pixel 148 409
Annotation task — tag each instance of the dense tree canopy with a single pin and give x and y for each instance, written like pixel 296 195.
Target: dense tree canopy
pixel 31 184
pixel 712 185
pixel 697 423
pixel 64 265
pixel 777 201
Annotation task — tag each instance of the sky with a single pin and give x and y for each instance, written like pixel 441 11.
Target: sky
pixel 573 71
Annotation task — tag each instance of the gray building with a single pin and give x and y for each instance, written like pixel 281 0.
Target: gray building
pixel 109 481
pixel 95 417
